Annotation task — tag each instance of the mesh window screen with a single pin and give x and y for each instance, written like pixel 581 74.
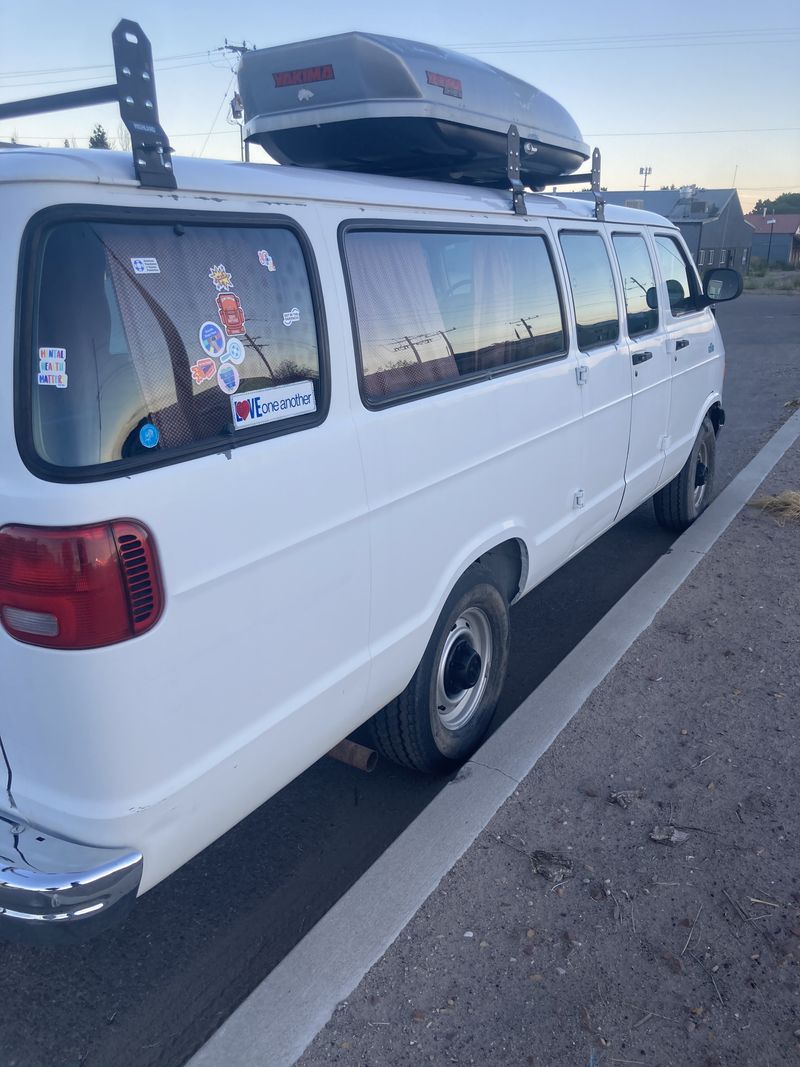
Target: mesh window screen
pixel 153 329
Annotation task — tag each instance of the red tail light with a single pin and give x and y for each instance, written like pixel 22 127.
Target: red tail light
pixel 80 587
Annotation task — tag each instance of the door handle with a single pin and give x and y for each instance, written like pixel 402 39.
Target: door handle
pixel 640 357
pixel 681 344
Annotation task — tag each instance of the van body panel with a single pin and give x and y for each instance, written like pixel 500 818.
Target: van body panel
pixel 304 573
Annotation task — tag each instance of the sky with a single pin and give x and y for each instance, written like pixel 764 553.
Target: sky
pixel 702 94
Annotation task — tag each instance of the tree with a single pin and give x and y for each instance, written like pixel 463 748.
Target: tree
pixel 99 138
pixel 785 204
pixel 123 138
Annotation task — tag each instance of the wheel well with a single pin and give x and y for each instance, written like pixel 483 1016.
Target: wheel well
pixel 508 562
pixel 717 416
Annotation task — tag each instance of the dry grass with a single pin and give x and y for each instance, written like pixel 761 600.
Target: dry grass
pixel 784 507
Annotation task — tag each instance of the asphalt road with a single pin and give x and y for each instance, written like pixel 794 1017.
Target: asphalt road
pixel 196 945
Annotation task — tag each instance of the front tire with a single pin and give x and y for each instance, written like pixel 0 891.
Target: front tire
pixel 443 714
pixel 688 495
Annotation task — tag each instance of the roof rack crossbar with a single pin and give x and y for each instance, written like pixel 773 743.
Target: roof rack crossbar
pixel 134 91
pixel 593 178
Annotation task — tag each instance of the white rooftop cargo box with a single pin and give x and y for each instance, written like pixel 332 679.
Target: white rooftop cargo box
pixel 364 102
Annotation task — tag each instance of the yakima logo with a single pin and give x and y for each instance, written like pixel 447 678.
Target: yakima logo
pixel 305 76
pixel 449 86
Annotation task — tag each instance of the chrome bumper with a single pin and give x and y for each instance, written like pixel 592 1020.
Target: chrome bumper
pixel 53 890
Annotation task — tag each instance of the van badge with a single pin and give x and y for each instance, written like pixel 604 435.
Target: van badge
pixel 204 370
pixel 145 265
pixel 231 313
pixel 269 405
pixel 212 339
pixel 265 259
pixel 291 316
pixel 221 278
pixel 228 378
pixel 304 94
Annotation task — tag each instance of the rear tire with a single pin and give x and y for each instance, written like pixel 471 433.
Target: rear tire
pixel 443 714
pixel 688 495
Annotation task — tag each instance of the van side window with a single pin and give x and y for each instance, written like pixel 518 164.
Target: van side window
pixel 153 337
pixel 638 283
pixel 680 278
pixel 434 308
pixel 593 291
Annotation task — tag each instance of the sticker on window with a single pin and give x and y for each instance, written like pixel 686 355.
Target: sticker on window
pixel 148 435
pixel 145 265
pixel 204 370
pixel 231 313
pixel 234 353
pixel 52 367
pixel 221 278
pixel 228 378
pixel 265 259
pixel 212 339
pixel 291 316
pixel 269 405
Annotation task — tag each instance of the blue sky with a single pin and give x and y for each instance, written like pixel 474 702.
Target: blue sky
pixel 699 93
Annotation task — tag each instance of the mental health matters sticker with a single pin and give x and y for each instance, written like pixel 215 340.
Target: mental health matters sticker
pixel 269 405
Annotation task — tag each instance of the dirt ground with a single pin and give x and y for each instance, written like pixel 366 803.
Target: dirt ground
pixel 645 952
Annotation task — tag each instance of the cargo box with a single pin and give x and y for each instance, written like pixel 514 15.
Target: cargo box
pixel 364 102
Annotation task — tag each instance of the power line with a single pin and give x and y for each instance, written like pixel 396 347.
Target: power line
pixel 672 133
pixel 95 66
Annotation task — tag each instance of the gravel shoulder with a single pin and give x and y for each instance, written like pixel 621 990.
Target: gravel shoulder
pixel 633 951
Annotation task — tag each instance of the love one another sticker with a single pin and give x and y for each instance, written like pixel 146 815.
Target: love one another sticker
pixel 269 405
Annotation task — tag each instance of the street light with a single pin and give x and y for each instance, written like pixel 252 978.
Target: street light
pixel 645 171
pixel 770 223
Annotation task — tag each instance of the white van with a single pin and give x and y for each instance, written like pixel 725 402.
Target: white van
pixel 282 447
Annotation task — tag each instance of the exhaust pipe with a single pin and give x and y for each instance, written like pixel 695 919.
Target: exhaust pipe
pixel 355 755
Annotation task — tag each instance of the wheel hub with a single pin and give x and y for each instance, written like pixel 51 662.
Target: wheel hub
pixel 701 474
pixel 463 668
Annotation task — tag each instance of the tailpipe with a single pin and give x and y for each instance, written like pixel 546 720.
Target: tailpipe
pixel 355 755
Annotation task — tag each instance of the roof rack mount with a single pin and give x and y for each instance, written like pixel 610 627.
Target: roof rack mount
pixel 579 179
pixel 135 92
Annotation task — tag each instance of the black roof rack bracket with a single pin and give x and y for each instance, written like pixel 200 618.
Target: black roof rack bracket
pixel 514 179
pixel 133 59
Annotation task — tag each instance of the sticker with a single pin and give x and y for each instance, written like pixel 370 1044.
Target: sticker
pixel 291 316
pixel 145 265
pixel 221 278
pixel 304 76
pixel 231 314
pixel 59 380
pixel 268 405
pixel 212 338
pixel 149 435
pixel 228 378
pixel 234 353
pixel 204 370
pixel 449 86
pixel 265 259
pixel 304 94
pixel 52 361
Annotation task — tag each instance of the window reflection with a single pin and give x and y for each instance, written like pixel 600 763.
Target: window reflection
pixel 592 286
pixel 637 280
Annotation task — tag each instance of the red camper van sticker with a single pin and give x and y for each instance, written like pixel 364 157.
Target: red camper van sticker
pixel 231 313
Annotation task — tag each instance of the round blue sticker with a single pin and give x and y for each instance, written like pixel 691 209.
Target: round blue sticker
pixel 212 339
pixel 148 435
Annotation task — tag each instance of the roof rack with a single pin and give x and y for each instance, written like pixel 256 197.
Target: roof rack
pixel 570 179
pixel 135 91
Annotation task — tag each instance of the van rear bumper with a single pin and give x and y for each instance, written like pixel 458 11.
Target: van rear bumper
pixel 53 890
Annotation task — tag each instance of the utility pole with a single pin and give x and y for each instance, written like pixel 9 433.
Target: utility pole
pixel 645 171
pixel 237 111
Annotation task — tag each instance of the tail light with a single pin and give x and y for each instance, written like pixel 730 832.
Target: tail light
pixel 79 587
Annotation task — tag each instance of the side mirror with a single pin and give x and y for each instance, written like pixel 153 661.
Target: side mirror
pixel 722 283
pixel 651 298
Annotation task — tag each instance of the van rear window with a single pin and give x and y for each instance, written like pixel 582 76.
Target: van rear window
pixel 435 308
pixel 155 340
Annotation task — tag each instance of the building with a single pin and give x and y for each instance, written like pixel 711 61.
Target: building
pixel 776 238
pixel 711 220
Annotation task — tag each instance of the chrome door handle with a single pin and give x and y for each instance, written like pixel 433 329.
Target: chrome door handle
pixel 681 344
pixel 640 357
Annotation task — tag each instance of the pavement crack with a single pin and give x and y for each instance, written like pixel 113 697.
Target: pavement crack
pixel 489 767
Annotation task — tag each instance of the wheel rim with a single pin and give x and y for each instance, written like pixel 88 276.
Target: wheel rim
pixel 466 654
pixel 700 474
